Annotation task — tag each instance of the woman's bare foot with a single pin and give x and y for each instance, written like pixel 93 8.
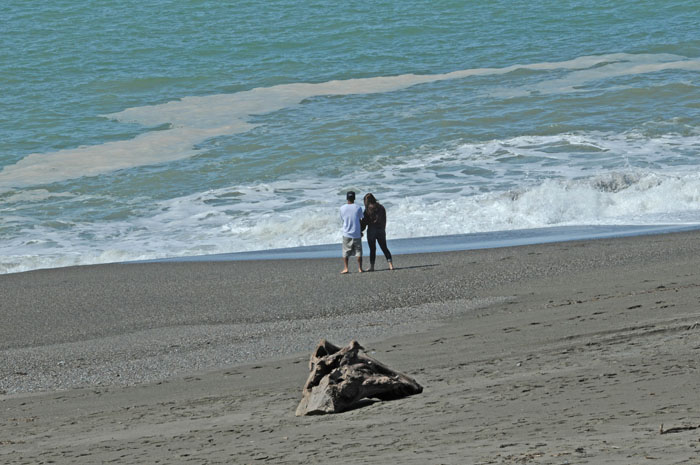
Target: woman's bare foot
pixel 345 271
pixel 391 266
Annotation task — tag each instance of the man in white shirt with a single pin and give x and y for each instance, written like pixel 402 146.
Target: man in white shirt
pixel 351 215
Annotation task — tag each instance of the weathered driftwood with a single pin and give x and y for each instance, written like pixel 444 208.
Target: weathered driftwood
pixel 341 378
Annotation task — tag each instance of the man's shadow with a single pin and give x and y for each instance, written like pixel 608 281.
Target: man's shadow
pixel 399 268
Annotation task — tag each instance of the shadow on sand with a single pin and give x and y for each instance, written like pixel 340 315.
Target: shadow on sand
pixel 400 268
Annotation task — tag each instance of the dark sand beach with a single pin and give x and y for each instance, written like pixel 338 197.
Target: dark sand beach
pixel 562 353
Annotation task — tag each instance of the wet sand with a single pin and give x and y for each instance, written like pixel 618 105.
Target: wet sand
pixel 572 352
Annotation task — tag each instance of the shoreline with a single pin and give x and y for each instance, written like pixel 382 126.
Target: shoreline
pixel 449 243
pixel 573 351
pixel 423 244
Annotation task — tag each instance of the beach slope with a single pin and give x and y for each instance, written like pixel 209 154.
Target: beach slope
pixel 574 352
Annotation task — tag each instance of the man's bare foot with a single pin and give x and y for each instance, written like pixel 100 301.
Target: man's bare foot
pixel 360 270
pixel 345 271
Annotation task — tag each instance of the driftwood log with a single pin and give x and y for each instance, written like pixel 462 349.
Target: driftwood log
pixel 341 378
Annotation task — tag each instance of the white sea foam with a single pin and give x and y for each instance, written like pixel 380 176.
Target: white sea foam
pixel 189 226
pixel 575 179
pixel 196 119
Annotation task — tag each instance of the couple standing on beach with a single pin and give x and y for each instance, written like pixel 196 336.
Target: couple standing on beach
pixel 355 221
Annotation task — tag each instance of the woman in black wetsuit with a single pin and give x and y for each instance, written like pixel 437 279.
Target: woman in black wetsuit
pixel 374 220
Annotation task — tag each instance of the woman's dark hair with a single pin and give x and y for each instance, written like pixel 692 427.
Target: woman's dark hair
pixel 369 199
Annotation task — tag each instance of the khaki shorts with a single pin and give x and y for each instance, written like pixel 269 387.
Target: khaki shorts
pixel 352 247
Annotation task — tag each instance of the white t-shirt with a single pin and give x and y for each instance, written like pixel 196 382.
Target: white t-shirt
pixel 351 214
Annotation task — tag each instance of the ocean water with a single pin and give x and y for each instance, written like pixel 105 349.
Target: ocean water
pixel 134 130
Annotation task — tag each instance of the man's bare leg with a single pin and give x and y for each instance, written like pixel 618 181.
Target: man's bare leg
pixel 359 264
pixel 345 262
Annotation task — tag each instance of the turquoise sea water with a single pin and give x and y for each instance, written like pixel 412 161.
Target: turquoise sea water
pixel 135 130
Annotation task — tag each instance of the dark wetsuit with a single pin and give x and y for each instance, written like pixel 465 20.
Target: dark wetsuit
pixel 374 220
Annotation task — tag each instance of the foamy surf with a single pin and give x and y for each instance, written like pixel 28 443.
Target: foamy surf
pixel 575 179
